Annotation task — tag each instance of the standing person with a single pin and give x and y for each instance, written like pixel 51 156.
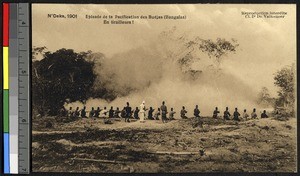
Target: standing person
pixel 236 115
pixel 163 112
pixel 127 112
pixel 253 114
pixel 245 115
pixel 142 112
pixel 157 114
pixel 171 114
pixel 226 114
pixel 136 113
pixel 111 112
pixel 183 112
pixel 150 113
pixel 264 114
pixel 215 113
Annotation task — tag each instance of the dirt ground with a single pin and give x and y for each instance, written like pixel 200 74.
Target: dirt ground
pixel 87 145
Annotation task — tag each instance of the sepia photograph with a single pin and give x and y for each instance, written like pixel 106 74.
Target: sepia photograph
pixel 172 88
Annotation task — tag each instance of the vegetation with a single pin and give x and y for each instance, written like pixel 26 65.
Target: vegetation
pixel 285 80
pixel 60 76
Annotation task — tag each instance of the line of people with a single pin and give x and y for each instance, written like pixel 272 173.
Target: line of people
pixel 237 116
pixel 127 113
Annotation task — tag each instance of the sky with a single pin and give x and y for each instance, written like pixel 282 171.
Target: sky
pixel 265 44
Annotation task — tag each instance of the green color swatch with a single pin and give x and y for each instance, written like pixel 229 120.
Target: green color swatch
pixel 6 110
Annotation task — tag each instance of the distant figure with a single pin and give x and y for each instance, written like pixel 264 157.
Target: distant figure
pixel 77 112
pixel 164 112
pixel 97 112
pixel 136 113
pixel 70 112
pixel 264 114
pixel 245 114
pixel 157 114
pixel 63 112
pixel 236 115
pixel 123 113
pixel 83 112
pixel 111 112
pixel 226 114
pixel 117 112
pixel 150 113
pixel 183 112
pixel 197 112
pixel 171 114
pixel 215 113
pixel 127 112
pixel 92 112
pixel 253 114
pixel 104 113
pixel 142 112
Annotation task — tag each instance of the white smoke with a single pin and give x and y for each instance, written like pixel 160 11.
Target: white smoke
pixel 152 73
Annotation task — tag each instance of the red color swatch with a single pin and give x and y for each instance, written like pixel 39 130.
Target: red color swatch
pixel 5 24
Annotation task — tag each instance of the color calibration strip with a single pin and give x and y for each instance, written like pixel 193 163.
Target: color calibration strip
pixel 6 87
pixel 16 98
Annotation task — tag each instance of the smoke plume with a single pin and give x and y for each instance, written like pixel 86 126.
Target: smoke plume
pixel 179 69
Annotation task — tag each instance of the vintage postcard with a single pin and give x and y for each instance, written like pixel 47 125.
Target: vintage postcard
pixel 178 88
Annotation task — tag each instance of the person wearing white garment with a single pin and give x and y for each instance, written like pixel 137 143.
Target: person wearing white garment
pixel 142 112
pixel 103 113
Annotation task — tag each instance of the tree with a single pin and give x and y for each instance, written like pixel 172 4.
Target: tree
pixel 285 80
pixel 38 51
pixel 59 76
pixel 264 98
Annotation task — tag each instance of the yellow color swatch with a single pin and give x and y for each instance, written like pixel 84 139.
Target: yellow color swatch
pixel 5 68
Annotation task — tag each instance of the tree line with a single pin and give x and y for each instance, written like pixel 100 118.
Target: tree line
pixel 68 76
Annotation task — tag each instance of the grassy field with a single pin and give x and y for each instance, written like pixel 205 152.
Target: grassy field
pixel 86 145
